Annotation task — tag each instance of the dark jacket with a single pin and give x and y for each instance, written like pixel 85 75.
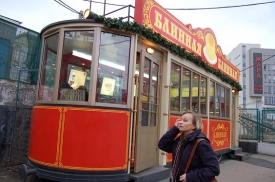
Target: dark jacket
pixel 204 165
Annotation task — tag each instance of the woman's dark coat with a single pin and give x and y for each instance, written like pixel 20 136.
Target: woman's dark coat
pixel 204 165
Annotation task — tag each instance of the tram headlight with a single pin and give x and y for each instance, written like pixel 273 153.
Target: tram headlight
pixel 150 50
pixel 87 14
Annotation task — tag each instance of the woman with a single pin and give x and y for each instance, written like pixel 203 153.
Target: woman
pixel 204 165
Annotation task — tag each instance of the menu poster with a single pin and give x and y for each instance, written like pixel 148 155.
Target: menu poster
pixel 77 78
pixel 108 86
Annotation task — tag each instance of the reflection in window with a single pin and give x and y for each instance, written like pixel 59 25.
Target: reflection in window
pixel 175 88
pixel 212 98
pixel 195 92
pixel 75 69
pixel 203 94
pixel 48 68
pixel 185 86
pixel 112 73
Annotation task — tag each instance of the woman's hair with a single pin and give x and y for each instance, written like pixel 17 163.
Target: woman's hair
pixel 196 121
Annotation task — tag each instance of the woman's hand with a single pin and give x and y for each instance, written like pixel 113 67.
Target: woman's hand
pixel 183 178
pixel 177 122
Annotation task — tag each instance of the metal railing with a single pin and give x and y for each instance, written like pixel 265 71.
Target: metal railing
pixel 128 17
pixel 257 125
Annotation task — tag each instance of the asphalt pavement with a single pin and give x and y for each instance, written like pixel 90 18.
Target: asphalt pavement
pixel 256 168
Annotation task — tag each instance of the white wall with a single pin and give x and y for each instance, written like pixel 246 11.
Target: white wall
pixel 266 148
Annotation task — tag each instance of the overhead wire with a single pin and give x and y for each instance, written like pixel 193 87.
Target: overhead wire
pixel 66 6
pixel 97 2
pixel 210 8
pixel 222 7
pixel 188 9
pixel 257 63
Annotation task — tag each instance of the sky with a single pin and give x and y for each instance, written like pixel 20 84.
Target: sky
pixel 252 24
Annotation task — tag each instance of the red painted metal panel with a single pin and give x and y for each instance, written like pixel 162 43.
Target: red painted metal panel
pixel 44 135
pixel 95 139
pixel 80 138
pixel 205 126
pixel 219 134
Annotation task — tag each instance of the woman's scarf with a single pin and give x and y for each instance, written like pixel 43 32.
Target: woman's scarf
pixel 177 158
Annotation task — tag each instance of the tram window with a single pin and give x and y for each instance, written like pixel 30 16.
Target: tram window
pixel 48 68
pixel 175 88
pixel 195 92
pixel 145 92
pixel 185 87
pixel 222 102
pixel 75 71
pixel 112 72
pixel 227 102
pixel 203 94
pixel 218 100
pixel 212 98
pixel 154 95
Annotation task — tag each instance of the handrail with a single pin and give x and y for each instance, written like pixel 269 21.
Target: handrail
pixel 261 124
pixel 127 6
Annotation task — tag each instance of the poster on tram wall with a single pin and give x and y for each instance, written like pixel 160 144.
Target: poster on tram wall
pixel 219 134
pixel 201 42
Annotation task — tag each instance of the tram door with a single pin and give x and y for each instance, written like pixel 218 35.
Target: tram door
pixel 148 72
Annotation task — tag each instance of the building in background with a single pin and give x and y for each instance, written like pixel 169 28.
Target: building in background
pixel 257 75
pixel 19 48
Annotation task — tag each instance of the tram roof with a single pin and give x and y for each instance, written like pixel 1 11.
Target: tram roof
pixel 67 22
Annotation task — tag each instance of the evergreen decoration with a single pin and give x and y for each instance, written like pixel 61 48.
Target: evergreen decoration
pixel 134 27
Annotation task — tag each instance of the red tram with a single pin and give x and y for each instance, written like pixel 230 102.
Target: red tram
pixel 108 90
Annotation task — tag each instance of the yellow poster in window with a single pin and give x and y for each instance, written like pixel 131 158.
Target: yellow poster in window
pixel 77 78
pixel 108 86
pixel 174 92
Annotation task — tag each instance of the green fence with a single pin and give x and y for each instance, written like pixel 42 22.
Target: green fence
pixel 267 127
pixel 257 125
pixel 19 55
pixel 19 49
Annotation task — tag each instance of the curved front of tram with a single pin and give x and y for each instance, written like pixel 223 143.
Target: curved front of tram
pixel 81 120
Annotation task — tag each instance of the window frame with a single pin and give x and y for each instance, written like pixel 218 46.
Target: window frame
pixel 94 65
pixel 41 61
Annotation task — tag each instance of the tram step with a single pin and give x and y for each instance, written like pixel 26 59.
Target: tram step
pixel 151 174
pixel 236 150
pixel 240 156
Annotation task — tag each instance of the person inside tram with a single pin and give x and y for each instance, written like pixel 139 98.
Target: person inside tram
pixel 81 87
pixel 204 165
pixel 63 87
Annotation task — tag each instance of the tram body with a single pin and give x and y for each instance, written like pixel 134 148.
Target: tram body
pixel 103 101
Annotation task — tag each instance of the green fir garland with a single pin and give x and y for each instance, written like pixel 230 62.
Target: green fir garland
pixel 119 24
